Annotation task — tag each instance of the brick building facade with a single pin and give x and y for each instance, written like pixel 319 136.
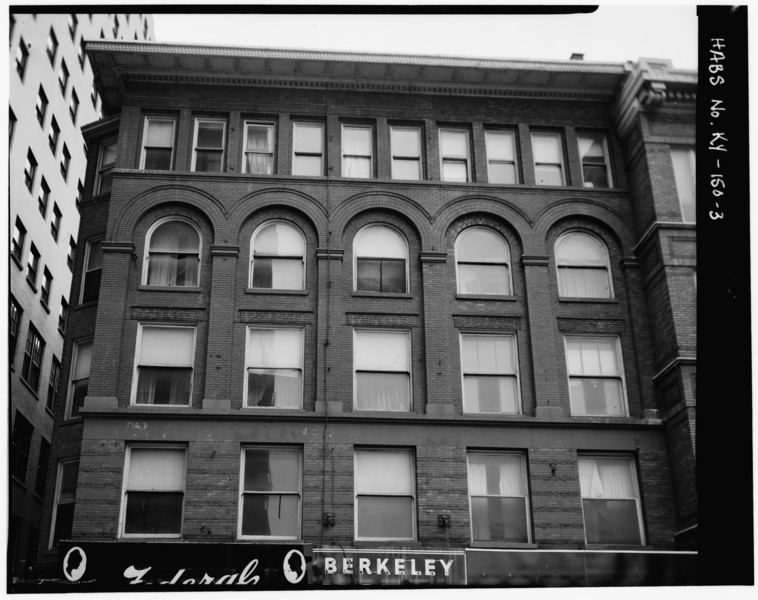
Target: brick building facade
pixel 419 305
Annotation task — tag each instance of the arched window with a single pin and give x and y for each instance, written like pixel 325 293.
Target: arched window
pixel 277 257
pixel 173 254
pixel 483 263
pixel 583 267
pixel 381 258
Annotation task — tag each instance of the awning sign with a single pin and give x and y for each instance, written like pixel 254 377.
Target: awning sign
pixel 388 567
pixel 182 567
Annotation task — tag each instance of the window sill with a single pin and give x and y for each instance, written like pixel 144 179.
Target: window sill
pixel 29 387
pixel 486 297
pixel 45 306
pixel 89 304
pixel 360 294
pixel 502 545
pixel 18 262
pixel 590 300
pixel 276 292
pixel 387 544
pixel 170 288
pixel 32 284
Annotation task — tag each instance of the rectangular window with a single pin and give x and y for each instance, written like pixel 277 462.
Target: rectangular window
pixel 455 155
pixel 41 106
pixel 502 165
pixel 14 323
pixel 82 358
pixel 63 77
pixel 259 148
pixel 683 160
pixel 42 461
pixel 153 492
pixel 30 170
pixel 65 162
pixel 93 94
pixel 19 237
pixel 21 442
pixel 270 493
pixel 22 56
pixel 548 158
pixel 79 194
pixel 405 144
pixel 499 499
pixel 105 166
pixel 274 368
pixel 53 136
pixel 73 105
pixel 357 151
pixel 308 144
pixel 80 53
pixel 11 126
pixel 158 144
pixel 93 270
pixel 610 500
pixel 53 385
pixel 35 347
pixel 385 495
pixel 65 499
pixel 164 365
pixel 144 31
pixel 593 152
pixel 55 222
pixel 596 384
pixel 33 265
pixel 47 284
pixel 116 25
pixel 209 144
pixel 63 315
pixel 382 366
pixel 489 365
pixel 73 22
pixel 52 46
pixel 43 198
pixel 71 253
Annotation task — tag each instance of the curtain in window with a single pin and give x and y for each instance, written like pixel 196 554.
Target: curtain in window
pixel 386 385
pixel 276 513
pixel 259 149
pixel 155 491
pixel 280 240
pixel 606 478
pixel 174 255
pixel 483 259
pixel 498 505
pixel 582 267
pixel 274 362
pixel 356 151
pixel 380 242
pixel 384 494
pixel 166 356
pixel 406 153
pixel 159 144
pixel 576 282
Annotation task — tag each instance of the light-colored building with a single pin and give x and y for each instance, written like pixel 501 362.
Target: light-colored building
pixel 52 95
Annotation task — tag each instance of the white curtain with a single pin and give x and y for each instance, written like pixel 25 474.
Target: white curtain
pixel 606 478
pixel 592 356
pixel 160 134
pixel 174 255
pixel 492 479
pixel 379 241
pixel 356 152
pixel 383 473
pixel 583 283
pixel 547 148
pixel 167 346
pixel 591 149
pixel 279 239
pixel 274 361
pixel 481 245
pixel 500 145
pixel 152 469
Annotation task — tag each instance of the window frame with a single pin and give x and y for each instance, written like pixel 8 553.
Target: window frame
pixel 102 170
pixel 606 267
pixel 407 157
pixel 522 455
pixel 18 241
pixel 63 77
pixel 52 543
pixel 369 156
pixel 22 58
pixel 634 477
pixel 73 105
pixel 54 136
pixel 137 352
pixel 63 316
pixel 253 237
pixel 620 377
pixel 146 130
pixel 243 492
pixel 73 22
pixel 409 350
pixel 15 315
pixel 125 490
pixel 692 160
pixel 516 374
pixel 467 160
pixel 414 492
pixel 30 170
pixel 195 147
pixel 250 329
pixel 507 263
pixel 580 135
pixel 86 271
pixel 71 256
pixel 43 458
pixel 55 222
pixel 41 106
pixel 32 266
pixel 356 258
pixel 46 286
pixel 69 414
pixel 513 133
pixel 20 443
pixel 53 384
pixel 562 156
pixel 34 349
pixel 65 162
pixel 148 252
pixel 51 46
pixel 295 153
pixel 270 126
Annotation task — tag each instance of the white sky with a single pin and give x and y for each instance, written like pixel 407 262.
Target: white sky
pixel 612 34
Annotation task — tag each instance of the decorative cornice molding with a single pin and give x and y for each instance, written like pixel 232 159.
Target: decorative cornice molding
pixel 433 257
pixel 231 251
pixel 535 261
pixel 118 247
pixel 330 254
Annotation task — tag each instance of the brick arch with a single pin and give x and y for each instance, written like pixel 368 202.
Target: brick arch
pixel 408 209
pixel 589 211
pixel 306 205
pixel 204 203
pixel 497 208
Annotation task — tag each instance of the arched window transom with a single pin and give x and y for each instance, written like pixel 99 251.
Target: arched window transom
pixel 583 267
pixel 483 263
pixel 278 257
pixel 381 261
pixel 173 256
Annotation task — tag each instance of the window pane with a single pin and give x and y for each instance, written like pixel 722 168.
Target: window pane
pixel 64 523
pixel 596 396
pixel 78 394
pixel 403 168
pixel 281 388
pixel 353 166
pixel 91 290
pixel 95 256
pixel 496 395
pixel 108 157
pixel 393 276
pixel 280 348
pixel 382 391
pixel 210 135
pixel 356 140
pixel 405 142
pixel 154 512
pixel 611 522
pixel 260 138
pixel 378 472
pixel 156 469
pixel 499 520
pixel 579 249
pixel 259 164
pixel 502 173
pixel 272 470
pixel 309 138
pixel 379 241
pixel 488 354
pixel 369 276
pixel 483 279
pixel 158 159
pixel 380 350
pixel 160 133
pixel 583 283
pixel 167 346
pixel 500 145
pixel 278 273
pixel 684 174
pixel 208 161
pixel 179 270
pixel 279 239
pixel 606 477
pixel 271 515
pixel 547 148
pixel 548 174
pixel 454 170
pixel 595 175
pixel 481 245
pixel 454 143
pixel 385 517
pixel 307 165
pixel 163 385
pixel 83 360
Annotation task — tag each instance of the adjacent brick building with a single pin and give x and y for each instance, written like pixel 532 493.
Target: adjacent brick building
pixel 379 303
